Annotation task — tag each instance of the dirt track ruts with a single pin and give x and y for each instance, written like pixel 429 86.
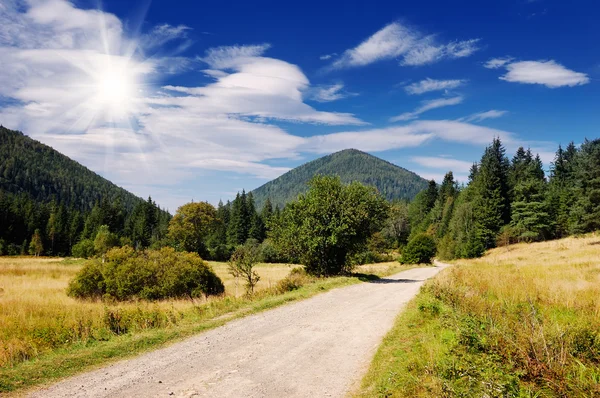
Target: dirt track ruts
pixel 318 347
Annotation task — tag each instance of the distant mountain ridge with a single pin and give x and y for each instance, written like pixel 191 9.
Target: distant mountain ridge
pixel 44 174
pixel 394 182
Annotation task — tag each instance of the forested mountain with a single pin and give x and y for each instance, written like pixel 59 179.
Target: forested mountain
pixel 50 204
pixel 392 181
pixel 44 174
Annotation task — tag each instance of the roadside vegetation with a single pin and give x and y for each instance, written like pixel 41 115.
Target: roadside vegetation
pixel 522 321
pixel 45 334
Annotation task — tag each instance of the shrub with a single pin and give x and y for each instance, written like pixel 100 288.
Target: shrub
pixel 269 253
pixel 150 275
pixel 83 249
pixel 420 250
pixel 89 282
pixel 295 280
pixel 242 263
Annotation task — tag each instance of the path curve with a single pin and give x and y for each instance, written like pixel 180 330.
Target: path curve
pixel 318 347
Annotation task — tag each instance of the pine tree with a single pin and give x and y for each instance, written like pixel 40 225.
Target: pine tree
pixel 491 189
pixel 585 215
pixel 531 218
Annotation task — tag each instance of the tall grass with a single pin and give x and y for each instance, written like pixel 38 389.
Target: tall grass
pixel 39 321
pixel 522 321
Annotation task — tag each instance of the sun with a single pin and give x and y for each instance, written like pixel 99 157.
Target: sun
pixel 116 88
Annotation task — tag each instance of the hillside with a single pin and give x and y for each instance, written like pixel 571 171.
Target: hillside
pixel 44 174
pixel 392 181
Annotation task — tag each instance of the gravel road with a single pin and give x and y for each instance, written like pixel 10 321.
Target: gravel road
pixel 319 347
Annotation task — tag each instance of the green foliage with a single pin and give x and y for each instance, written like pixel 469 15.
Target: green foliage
pixel 191 225
pixel 585 216
pixel 151 274
pixel 329 223
pixel 242 263
pixel 83 249
pixel 104 240
pixel 397 225
pixel 420 250
pixel 41 189
pixel 392 181
pixel 36 247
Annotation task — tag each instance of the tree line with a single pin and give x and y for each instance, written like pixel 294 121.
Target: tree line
pixel 55 229
pixel 507 201
pixel 334 226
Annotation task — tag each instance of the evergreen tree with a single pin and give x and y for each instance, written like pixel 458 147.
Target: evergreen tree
pixel 530 213
pixel 491 190
pixel 585 215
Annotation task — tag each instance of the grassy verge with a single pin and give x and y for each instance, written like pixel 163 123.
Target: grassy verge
pixel 522 321
pixel 90 334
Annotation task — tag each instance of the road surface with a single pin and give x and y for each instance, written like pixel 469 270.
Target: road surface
pixel 318 347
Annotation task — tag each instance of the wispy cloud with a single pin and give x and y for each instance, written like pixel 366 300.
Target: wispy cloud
pixel 496 63
pixel 408 44
pixel 545 72
pixel 480 116
pixel 427 106
pixel 330 93
pixel 427 85
pixel 227 57
pixel 162 34
pixel 419 133
pixel 443 163
pixel 325 57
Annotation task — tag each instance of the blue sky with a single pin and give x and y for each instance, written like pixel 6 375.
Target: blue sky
pixel 187 100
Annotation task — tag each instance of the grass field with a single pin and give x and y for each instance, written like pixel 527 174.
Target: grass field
pixel 523 321
pixel 44 334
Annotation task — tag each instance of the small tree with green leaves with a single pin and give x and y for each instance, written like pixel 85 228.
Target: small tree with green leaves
pixel 104 241
pixel 329 224
pixel 419 250
pixel 36 247
pixel 242 263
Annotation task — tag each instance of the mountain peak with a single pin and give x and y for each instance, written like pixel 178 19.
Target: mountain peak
pixel 394 182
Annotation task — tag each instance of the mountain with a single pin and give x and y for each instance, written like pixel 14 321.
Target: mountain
pixel 44 174
pixel 56 203
pixel 394 182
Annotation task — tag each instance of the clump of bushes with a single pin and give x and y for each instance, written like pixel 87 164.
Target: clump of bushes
pixel 419 250
pixel 126 274
pixel 295 280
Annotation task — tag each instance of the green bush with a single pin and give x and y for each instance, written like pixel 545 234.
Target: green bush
pixel 420 250
pixel 83 249
pixel 151 275
pixel 295 280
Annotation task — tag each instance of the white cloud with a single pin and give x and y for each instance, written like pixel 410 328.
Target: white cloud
pixel 330 93
pixel 411 46
pixel 419 133
pixel 327 56
pixel 163 34
pixel 427 106
pixel 54 61
pixel 229 57
pixel 427 85
pixel 478 117
pixel 496 63
pixel 444 163
pixel 548 73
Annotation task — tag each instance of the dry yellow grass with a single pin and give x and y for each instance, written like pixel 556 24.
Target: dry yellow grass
pixel 36 314
pixel 523 320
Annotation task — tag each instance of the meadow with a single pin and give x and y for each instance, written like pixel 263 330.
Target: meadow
pixel 522 321
pixel 44 334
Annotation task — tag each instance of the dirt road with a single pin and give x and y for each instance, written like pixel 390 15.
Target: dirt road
pixel 319 347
